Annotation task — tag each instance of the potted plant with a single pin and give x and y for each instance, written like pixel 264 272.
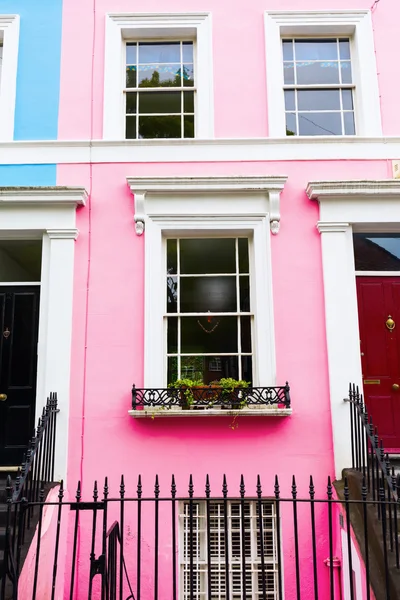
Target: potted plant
pixel 188 391
pixel 226 393
pixel 232 393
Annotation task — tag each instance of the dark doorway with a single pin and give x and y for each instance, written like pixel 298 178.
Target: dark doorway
pixel 19 319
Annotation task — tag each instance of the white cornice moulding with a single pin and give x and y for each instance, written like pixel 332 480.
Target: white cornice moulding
pixel 43 195
pixel 326 227
pixel 205 150
pixel 304 17
pixel 361 189
pixel 62 234
pixel 209 184
pixel 166 186
pixel 157 19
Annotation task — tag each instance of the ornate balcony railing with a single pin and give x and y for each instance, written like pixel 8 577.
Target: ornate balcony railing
pixel 210 397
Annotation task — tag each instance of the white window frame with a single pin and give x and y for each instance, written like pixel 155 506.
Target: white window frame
pixel 9 37
pixel 121 28
pixel 207 206
pixel 357 25
pixel 200 563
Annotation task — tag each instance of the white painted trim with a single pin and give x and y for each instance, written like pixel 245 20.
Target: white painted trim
pixel 73 196
pixel 357 25
pixel 52 216
pixel 155 413
pixel 345 206
pixel 123 26
pixel 182 151
pixel 207 206
pixel 377 273
pixel 9 31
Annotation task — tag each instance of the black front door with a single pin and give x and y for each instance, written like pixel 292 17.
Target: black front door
pixel 19 319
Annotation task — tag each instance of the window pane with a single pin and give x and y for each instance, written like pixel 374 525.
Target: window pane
pixel 130 128
pixel 187 52
pixel 291 126
pixel 247 375
pixel 244 283
pixel 188 75
pixel 288 73
pixel 243 255
pixel 131 103
pixel 287 49
pixel 131 54
pixel 320 124
pixel 160 102
pixel 172 374
pixel 160 76
pixel 310 73
pixel 204 367
pixel 318 100
pixel 131 77
pixel 245 334
pixel 208 334
pixel 172 266
pixel 165 52
pixel 316 50
pixel 203 294
pixel 188 130
pixel 377 251
pixel 344 49
pixel 347 99
pixel 159 127
pixel 211 255
pixel 20 260
pixel 172 336
pixel 349 125
pixel 290 102
pixel 346 72
pixel 172 294
pixel 188 102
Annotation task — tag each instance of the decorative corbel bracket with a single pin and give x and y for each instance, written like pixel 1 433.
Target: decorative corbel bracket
pixel 274 211
pixel 140 217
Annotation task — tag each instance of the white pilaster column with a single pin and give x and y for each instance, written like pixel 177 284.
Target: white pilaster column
pixel 56 331
pixel 342 333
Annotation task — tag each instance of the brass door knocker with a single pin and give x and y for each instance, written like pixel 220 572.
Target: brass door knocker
pixel 6 333
pixel 390 324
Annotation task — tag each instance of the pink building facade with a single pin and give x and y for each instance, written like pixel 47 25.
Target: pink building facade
pixel 215 165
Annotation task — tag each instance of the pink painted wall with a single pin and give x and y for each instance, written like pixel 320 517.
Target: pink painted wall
pixel 46 555
pixel 107 351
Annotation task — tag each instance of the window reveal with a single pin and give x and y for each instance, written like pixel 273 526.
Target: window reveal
pixel 318 87
pixel 160 90
pixel 208 309
pixel 196 536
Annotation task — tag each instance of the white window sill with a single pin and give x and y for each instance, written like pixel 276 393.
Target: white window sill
pixel 152 413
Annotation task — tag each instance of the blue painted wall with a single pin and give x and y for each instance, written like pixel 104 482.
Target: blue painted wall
pixel 38 78
pixel 25 175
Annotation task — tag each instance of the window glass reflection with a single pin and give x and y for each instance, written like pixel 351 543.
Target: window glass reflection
pixel 377 251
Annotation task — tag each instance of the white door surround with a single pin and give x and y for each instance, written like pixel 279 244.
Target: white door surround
pixel 347 206
pixel 49 213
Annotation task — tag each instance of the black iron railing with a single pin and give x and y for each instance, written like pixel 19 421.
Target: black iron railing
pixel 26 495
pixel 210 397
pixel 380 481
pixel 207 542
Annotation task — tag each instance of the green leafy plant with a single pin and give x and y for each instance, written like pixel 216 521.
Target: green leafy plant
pixel 186 386
pixel 230 389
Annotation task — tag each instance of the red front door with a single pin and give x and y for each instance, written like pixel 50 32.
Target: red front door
pixel 379 298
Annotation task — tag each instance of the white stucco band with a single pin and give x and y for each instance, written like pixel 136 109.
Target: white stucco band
pixel 49 213
pixel 205 207
pixel 346 206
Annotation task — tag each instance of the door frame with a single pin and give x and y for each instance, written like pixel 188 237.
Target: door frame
pixel 347 206
pixel 49 214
